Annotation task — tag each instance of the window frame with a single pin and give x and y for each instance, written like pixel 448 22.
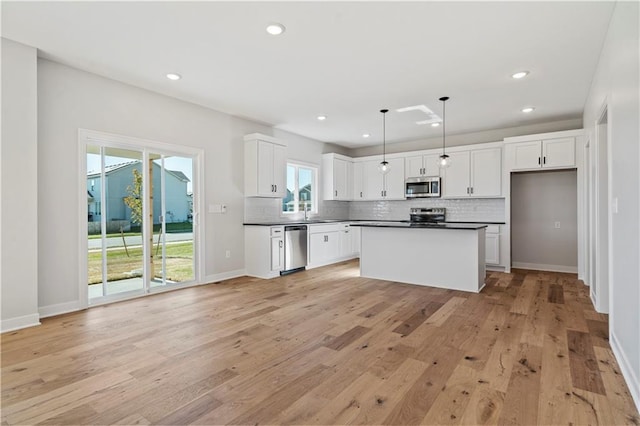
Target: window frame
pixel 314 188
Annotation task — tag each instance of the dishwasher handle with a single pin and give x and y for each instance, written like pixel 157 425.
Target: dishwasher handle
pixel 295 228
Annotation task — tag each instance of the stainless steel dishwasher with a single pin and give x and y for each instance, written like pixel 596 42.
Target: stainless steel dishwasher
pixel 295 248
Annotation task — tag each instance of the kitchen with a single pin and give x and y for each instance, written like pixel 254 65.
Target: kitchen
pixel 313 94
pixel 472 186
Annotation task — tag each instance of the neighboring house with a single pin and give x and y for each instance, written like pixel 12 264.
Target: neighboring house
pixel 304 196
pixel 118 177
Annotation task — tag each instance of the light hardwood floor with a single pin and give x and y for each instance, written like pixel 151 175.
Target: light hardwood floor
pixel 324 347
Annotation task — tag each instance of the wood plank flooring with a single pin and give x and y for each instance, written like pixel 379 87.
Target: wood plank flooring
pixel 324 347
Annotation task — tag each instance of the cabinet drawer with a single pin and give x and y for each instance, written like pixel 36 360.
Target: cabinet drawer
pixel 277 231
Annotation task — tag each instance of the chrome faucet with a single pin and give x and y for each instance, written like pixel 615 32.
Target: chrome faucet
pixel 306 211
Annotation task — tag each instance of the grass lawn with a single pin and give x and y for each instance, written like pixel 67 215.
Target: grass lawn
pixel 120 266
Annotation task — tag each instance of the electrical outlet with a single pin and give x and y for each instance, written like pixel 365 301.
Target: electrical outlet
pixel 228 254
pixel 557 225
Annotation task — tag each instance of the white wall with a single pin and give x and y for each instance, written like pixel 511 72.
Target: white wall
pixel 19 207
pixel 616 83
pixel 69 99
pixel 469 138
pixel 538 201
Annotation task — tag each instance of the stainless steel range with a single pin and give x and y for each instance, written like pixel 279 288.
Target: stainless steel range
pixel 427 215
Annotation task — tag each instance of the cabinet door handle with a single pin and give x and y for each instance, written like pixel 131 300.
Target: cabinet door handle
pixel 382 193
pixel 544 160
pixel 326 238
pixel 472 189
pixel 360 194
pixel 467 189
pixel 281 244
pixel 336 192
pixel 276 186
pixel 538 160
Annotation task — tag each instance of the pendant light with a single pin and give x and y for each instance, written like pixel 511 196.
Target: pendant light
pixel 444 161
pixel 384 166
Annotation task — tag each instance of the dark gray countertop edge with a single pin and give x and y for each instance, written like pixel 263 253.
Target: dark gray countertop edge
pixel 328 222
pixel 404 225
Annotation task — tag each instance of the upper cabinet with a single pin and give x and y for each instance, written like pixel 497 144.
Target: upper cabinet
pixel 265 166
pixel 474 173
pixel 421 165
pixel 377 186
pixel 541 154
pixel 358 181
pixel 337 177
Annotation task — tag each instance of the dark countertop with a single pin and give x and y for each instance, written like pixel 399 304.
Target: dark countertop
pixel 409 225
pixel 355 221
pixel 298 222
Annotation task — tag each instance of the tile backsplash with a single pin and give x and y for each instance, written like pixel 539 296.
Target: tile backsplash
pixel 270 210
pixel 463 210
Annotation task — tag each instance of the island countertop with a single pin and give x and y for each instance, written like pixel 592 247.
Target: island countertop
pixel 421 225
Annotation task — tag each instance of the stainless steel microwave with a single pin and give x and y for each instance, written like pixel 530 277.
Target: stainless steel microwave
pixel 422 187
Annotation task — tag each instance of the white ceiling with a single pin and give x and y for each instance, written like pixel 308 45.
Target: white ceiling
pixel 346 60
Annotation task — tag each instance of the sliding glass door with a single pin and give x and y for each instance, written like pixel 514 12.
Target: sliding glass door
pixel 172 259
pixel 140 221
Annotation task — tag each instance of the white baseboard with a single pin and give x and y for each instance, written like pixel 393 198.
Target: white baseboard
pixel 627 370
pixel 543 267
pixel 59 309
pixel 18 323
pixel 224 276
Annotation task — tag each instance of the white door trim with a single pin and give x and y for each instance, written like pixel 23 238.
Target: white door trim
pixel 85 137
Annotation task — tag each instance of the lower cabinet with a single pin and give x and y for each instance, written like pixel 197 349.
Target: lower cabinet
pixel 330 244
pixel 277 253
pixel 323 247
pixel 492 245
pixel 263 250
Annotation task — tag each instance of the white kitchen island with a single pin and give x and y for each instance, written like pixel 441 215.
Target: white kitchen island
pixel 448 256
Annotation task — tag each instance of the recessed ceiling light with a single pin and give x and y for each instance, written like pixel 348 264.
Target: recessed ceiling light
pixel 435 124
pixel 366 135
pixel 322 117
pixel 174 76
pixel 275 29
pixel 528 109
pixel 520 74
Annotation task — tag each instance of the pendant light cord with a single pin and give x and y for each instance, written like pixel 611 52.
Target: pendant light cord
pixel 444 99
pixel 384 133
pixel 443 127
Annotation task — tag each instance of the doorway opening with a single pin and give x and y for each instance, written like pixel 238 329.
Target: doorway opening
pixel 600 214
pixel 544 220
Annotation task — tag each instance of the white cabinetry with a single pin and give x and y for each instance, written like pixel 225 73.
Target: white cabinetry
pixel 323 244
pixel 337 172
pixel 358 181
pixel 330 243
pixel 421 165
pixel 264 250
pixel 475 173
pixel 377 186
pixel 277 248
pixel 355 240
pixel 545 153
pixel 456 176
pixel 265 165
pixel 492 245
